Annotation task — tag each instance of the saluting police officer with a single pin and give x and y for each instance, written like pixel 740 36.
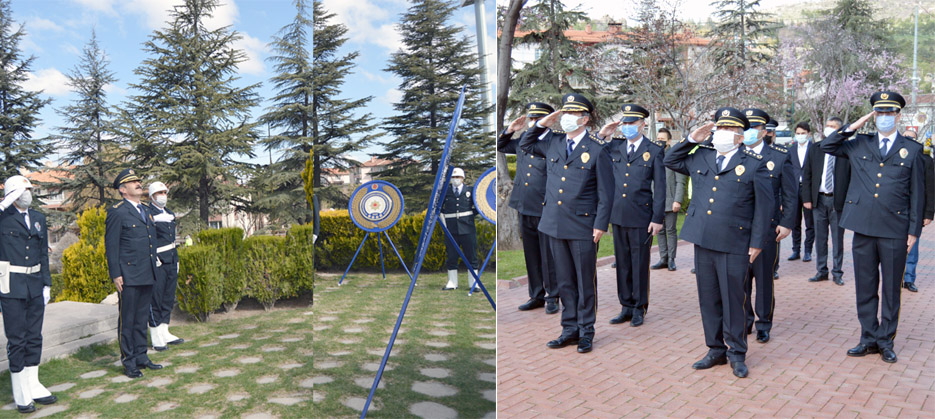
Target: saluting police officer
pixel 884 208
pixel 728 221
pixel 527 198
pixel 458 215
pixel 130 245
pixel 25 283
pixel 782 218
pixel 638 208
pixel 576 213
pixel 167 269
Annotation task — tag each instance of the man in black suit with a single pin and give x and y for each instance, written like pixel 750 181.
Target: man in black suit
pixel 798 149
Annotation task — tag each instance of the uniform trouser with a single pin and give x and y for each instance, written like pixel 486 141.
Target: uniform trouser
pixel 870 255
pixel 631 250
pixel 761 273
pixel 668 238
pixel 720 277
pixel 801 213
pixel 911 261
pixel 134 304
pixel 167 279
pixel 826 223
pixel 467 243
pixel 22 323
pixel 576 270
pixel 540 267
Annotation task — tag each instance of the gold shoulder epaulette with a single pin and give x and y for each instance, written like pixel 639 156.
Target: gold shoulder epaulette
pixel 709 146
pixel 779 148
pixel 558 131
pixel 657 143
pixel 596 139
pixel 118 204
pixel 751 153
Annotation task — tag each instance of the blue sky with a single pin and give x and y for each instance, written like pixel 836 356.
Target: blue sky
pixel 57 30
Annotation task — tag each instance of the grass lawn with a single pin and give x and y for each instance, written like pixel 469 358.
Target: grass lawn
pixel 511 264
pixel 443 362
pixel 257 364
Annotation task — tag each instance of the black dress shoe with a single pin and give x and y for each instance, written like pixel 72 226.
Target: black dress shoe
pixel 152 366
pixel 562 342
pixel 762 336
pixel 671 266
pixel 708 361
pixel 911 286
pixel 531 304
pixel 46 400
pixel 888 355
pixel 861 350
pixel 795 256
pixel 818 277
pixel 693 270
pixel 624 316
pixel 661 264
pixel 31 407
pixel 807 257
pixel 178 341
pixel 132 373
pixel 551 307
pixel 585 346
pixel 775 275
pixel 839 281
pixel 750 329
pixel 637 318
pixel 740 369
pixel 161 348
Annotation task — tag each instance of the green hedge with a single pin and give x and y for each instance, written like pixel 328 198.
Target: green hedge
pixel 85 276
pixel 340 237
pixel 264 256
pixel 229 245
pixel 201 285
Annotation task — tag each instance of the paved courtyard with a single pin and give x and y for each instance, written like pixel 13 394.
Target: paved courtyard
pixel 646 371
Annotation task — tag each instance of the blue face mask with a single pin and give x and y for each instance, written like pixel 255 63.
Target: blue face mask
pixel 630 131
pixel 750 136
pixel 886 123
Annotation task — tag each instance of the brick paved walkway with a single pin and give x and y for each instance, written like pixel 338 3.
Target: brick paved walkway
pixel 646 371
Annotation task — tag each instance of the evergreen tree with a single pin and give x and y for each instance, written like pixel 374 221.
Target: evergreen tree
pixel 741 33
pixel 19 108
pixel 190 120
pixel 435 61
pixel 89 136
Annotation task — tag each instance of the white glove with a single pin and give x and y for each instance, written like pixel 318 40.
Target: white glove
pixel 164 218
pixel 46 294
pixel 9 199
pixel 314 238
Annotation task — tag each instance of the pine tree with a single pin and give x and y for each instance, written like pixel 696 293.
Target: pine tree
pixel 307 108
pixel 435 61
pixel 190 120
pixel 19 108
pixel 89 135
pixel 745 43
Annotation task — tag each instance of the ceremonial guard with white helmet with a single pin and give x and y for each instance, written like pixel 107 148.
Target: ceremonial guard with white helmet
pixel 167 269
pixel 458 215
pixel 25 284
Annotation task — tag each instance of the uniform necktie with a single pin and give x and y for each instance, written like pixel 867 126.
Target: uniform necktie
pixel 571 147
pixel 26 218
pixel 720 160
pixel 883 147
pixel 630 153
pixel 139 208
pixel 829 178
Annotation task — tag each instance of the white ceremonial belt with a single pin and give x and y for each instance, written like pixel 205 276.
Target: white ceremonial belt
pixel 165 248
pixel 25 269
pixel 458 214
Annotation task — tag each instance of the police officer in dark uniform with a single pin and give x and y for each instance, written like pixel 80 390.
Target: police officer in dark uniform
pixel 728 220
pixel 130 245
pixel 785 196
pixel 458 215
pixel 884 208
pixel 25 283
pixel 527 198
pixel 638 208
pixel 167 269
pixel 578 199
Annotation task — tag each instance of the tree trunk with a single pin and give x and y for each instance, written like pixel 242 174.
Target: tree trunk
pixel 507 218
pixel 203 200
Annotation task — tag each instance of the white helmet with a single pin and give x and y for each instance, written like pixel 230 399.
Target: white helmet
pixel 457 172
pixel 157 187
pixel 14 183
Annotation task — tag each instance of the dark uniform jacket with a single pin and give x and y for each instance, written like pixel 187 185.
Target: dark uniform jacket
pixel 731 208
pixel 463 204
pixel 529 185
pixel 812 180
pixel 130 244
pixel 639 183
pixel 25 246
pixel 579 187
pixel 165 235
pixel 929 212
pixel 886 196
pixel 785 185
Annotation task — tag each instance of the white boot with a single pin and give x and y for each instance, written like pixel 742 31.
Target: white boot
pixel 38 391
pixel 21 395
pixel 159 342
pixel 452 280
pixel 471 281
pixel 168 336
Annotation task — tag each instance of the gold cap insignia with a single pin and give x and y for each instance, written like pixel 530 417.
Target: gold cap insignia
pixel 130 171
pixel 532 106
pixel 585 157
pixel 569 98
pixel 627 108
pixel 749 113
pixel 884 96
pixel 903 152
pixel 739 169
pixel 770 165
pixel 725 113
pixel 646 156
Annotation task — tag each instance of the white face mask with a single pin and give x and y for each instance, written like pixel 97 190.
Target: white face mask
pixel 25 200
pixel 723 141
pixel 455 182
pixel 570 122
pixel 530 124
pixel 828 131
pixel 801 138
pixel 161 199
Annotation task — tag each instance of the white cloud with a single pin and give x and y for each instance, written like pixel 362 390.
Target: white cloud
pixel 111 88
pixel 254 49
pixel 367 23
pixel 157 12
pixel 106 6
pixel 51 81
pixel 392 96
pixel 36 24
